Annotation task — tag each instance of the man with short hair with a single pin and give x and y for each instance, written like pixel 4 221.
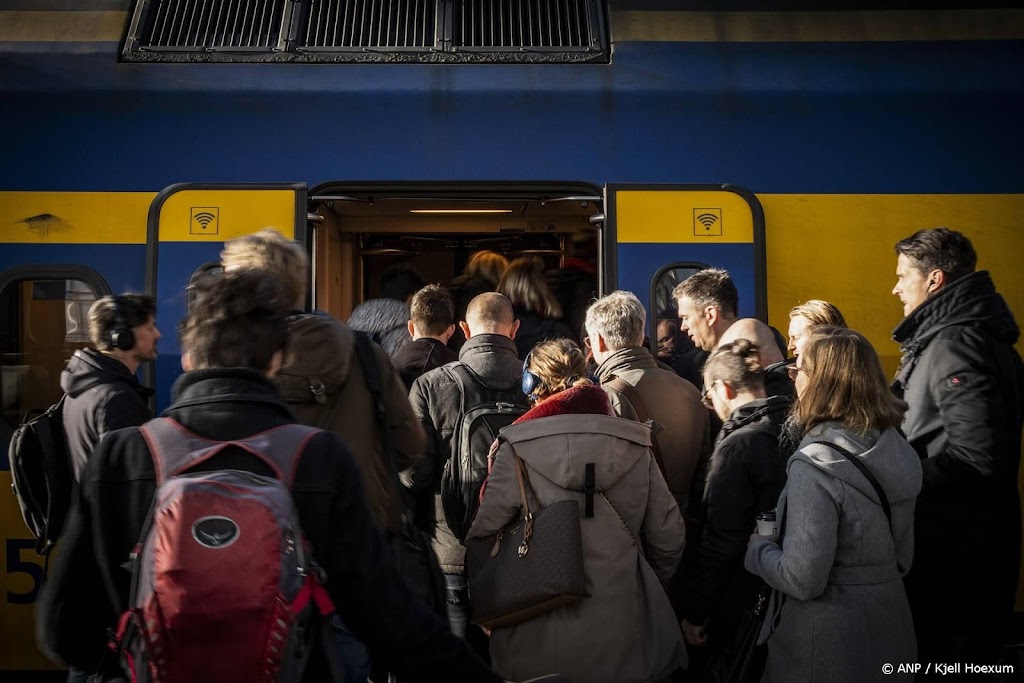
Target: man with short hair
pixel 431 325
pixel 708 304
pixel 962 380
pixel 776 379
pixel 640 390
pixel 103 393
pixel 233 342
pixel 489 354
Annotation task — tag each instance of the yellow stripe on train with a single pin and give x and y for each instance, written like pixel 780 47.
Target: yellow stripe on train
pixel 74 217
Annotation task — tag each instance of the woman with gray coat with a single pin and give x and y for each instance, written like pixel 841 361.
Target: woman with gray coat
pixel 839 611
pixel 625 631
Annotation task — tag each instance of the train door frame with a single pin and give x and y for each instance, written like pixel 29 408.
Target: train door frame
pixel 610 245
pixel 244 224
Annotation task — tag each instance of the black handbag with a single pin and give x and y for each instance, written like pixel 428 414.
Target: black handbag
pixel 532 566
pixel 743 660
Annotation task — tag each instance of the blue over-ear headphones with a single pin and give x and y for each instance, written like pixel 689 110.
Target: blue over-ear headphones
pixel 531 383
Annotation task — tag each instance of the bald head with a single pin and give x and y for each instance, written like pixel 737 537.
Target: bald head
pixel 490 313
pixel 757 332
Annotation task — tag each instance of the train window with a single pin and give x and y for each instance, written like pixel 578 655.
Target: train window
pixel 442 31
pixel 670 343
pixel 44 318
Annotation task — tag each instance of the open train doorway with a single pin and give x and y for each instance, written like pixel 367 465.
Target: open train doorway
pixel 360 230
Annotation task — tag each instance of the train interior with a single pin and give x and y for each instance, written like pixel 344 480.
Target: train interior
pixel 360 232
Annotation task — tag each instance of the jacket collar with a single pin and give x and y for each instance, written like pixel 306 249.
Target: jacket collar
pixel 757 410
pixel 88 368
pixel 970 300
pixel 224 385
pixel 580 400
pixel 625 359
pixel 480 344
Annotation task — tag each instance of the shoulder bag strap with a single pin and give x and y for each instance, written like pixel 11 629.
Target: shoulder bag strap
pixel 633 396
pixel 623 523
pixel 883 499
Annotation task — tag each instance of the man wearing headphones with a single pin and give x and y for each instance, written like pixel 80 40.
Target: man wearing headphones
pixel 103 393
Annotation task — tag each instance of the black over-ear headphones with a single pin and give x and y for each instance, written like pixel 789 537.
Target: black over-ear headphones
pixel 121 336
pixel 531 383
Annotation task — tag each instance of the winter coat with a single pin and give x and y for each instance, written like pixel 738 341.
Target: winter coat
pixel 102 396
pixel 684 438
pixel 323 383
pixel 385 320
pixel 436 402
pixel 840 610
pixel 962 380
pixel 421 356
pixel 625 631
pixel 534 329
pixel 745 478
pixel 88 588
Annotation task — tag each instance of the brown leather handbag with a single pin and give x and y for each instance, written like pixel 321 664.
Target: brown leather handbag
pixel 532 566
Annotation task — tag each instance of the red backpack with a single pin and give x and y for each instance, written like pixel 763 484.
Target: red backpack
pixel 224 587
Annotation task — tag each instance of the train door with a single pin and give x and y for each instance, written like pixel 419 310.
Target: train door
pixel 656 236
pixel 188 225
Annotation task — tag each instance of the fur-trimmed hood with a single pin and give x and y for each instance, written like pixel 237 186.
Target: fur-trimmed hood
pixel 582 400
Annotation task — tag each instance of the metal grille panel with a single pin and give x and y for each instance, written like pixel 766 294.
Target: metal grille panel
pixel 214 24
pixel 516 24
pixel 382 24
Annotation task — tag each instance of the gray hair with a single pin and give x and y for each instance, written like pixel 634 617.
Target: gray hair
pixel 619 318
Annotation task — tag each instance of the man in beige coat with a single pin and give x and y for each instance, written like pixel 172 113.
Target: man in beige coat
pixel 640 390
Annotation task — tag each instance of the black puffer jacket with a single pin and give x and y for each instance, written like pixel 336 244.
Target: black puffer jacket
pixel 746 476
pixel 962 380
pixel 102 396
pixel 88 589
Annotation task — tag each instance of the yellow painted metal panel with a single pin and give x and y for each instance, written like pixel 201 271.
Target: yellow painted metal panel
pixel 58 26
pixel 818 26
pixel 677 216
pixel 219 215
pixel 74 217
pixel 17 633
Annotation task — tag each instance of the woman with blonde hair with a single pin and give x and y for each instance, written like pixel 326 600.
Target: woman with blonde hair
pixel 846 522
pixel 536 307
pixel 626 629
pixel 808 315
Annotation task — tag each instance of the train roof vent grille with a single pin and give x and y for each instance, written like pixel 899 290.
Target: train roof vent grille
pixel 527 25
pixel 358 25
pixel 431 31
pixel 191 25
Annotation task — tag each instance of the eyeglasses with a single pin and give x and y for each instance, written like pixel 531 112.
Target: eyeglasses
pixel 706 400
pixel 792 371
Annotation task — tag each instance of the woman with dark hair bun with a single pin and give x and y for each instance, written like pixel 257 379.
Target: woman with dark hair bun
pixel 846 522
pixel 745 476
pixel 626 629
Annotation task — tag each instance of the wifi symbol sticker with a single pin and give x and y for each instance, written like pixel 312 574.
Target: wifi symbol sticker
pixel 205 220
pixel 707 222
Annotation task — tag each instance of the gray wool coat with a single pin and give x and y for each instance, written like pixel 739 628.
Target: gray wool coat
pixel 626 631
pixel 839 610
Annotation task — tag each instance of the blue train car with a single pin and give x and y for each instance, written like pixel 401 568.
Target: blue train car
pixel 791 147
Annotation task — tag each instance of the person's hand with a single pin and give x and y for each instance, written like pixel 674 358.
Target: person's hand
pixel 695 635
pixel 774 538
pixel 487 631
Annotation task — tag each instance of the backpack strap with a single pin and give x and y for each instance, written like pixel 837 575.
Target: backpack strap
pixel 175 449
pixel 856 461
pixel 371 373
pixel 633 396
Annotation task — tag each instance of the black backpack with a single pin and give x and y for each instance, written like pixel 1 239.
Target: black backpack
pixel 483 412
pixel 43 479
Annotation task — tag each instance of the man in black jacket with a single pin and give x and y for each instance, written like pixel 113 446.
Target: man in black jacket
pixel 962 379
pixel 431 325
pixel 103 393
pixel 232 345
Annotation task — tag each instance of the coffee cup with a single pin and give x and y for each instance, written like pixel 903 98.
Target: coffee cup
pixel 766 523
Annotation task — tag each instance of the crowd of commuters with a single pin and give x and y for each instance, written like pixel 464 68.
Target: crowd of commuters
pixel 862 485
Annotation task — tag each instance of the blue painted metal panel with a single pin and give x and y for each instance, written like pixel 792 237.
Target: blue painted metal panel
pixel 121 265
